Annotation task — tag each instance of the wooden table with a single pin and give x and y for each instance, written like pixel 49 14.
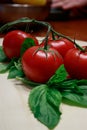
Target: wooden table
pixel 74 28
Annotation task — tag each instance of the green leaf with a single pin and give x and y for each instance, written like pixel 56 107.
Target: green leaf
pixel 18 64
pixel 3 67
pixel 75 99
pixel 44 102
pixel 2 55
pixel 28 42
pixel 83 89
pixel 13 72
pixel 74 86
pixel 59 76
pixel 82 82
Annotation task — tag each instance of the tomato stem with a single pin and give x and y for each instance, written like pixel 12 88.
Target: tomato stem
pixel 53 35
pixel 46 38
pixel 22 20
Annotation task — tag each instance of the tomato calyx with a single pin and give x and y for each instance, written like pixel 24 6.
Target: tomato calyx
pixel 46 51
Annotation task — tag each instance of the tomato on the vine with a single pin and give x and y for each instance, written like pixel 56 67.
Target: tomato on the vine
pixel 75 62
pixel 62 45
pixel 13 41
pixel 39 64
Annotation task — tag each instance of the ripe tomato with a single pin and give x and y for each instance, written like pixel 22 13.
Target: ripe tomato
pixel 39 65
pixel 61 45
pixel 13 40
pixel 75 62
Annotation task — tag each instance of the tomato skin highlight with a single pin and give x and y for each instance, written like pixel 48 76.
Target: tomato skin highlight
pixel 62 45
pixel 39 65
pixel 75 62
pixel 12 42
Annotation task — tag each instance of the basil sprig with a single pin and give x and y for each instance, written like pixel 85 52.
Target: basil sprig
pixel 45 99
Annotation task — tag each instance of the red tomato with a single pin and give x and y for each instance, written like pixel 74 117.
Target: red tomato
pixel 75 62
pixel 39 65
pixel 13 40
pixel 61 45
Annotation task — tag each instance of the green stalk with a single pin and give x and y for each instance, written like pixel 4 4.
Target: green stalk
pixel 46 38
pixel 53 35
pixel 22 20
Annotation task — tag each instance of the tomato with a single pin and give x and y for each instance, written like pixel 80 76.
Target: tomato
pixel 13 40
pixel 61 45
pixel 75 62
pixel 39 65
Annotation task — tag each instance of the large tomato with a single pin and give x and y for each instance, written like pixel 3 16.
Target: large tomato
pixel 62 45
pixel 13 40
pixel 75 62
pixel 39 65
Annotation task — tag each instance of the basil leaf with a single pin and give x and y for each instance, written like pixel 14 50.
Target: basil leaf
pixel 73 85
pixel 6 66
pixel 59 76
pixel 28 42
pixel 2 55
pixel 3 67
pixel 13 72
pixel 44 102
pixel 83 89
pixel 82 82
pixel 70 85
pixel 18 64
pixel 75 99
pixel 15 69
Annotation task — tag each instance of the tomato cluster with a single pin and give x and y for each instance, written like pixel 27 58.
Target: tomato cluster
pixel 40 63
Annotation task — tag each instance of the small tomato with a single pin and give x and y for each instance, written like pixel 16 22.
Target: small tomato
pixel 12 42
pixel 75 62
pixel 62 45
